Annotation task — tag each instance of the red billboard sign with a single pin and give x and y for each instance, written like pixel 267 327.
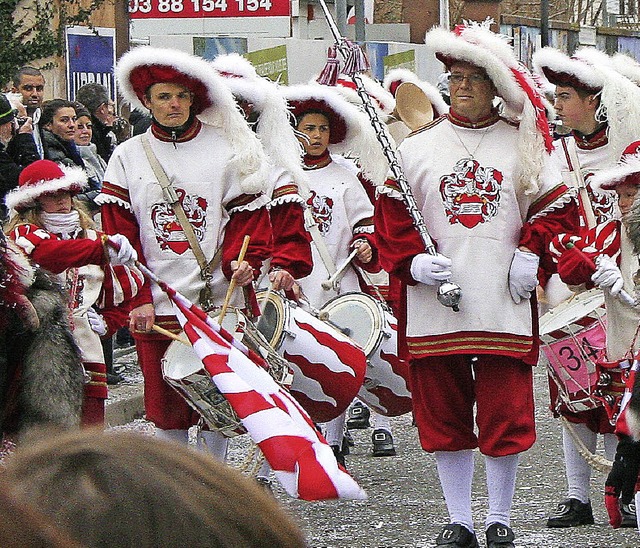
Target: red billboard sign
pixel 163 9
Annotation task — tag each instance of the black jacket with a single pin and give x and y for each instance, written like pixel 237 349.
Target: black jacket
pixel 20 152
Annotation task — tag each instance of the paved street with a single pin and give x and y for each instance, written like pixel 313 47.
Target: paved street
pixel 405 506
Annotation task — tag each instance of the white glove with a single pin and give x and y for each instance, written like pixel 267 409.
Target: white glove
pixel 125 254
pixel 523 275
pixel 97 323
pixel 431 269
pixel 607 275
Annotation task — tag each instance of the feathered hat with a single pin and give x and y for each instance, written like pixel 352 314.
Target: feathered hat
pixel 351 132
pixel 213 103
pixel 627 170
pixel 274 124
pixel 399 76
pixel 476 44
pixel 381 98
pixel 594 71
pixel 44 177
pixel 627 66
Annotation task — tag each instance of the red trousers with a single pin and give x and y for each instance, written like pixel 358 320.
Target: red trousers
pixel 445 389
pixel 162 404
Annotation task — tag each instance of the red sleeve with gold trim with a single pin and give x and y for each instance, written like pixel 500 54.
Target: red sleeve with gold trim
pixel 54 254
pixel 291 241
pixel 256 224
pixel 557 212
pixel 397 239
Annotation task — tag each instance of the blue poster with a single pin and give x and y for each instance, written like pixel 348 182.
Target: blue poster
pixel 376 52
pixel 209 48
pixel 90 58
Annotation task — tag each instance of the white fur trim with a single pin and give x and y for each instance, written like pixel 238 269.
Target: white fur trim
pixel 249 160
pixel 25 196
pixel 26 272
pixel 485 49
pixel 399 75
pixel 628 166
pixel 234 63
pixel 627 66
pixel 360 141
pixel 557 61
pixel 390 192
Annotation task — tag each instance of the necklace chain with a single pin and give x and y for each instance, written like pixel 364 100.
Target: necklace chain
pixel 471 154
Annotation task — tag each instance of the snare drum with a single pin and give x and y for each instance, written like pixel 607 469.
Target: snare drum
pixel 183 370
pixel 375 330
pixel 328 367
pixel 573 336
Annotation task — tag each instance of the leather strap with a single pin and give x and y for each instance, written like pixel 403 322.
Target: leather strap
pixel 171 196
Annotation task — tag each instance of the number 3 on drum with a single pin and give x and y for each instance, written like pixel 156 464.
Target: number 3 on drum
pixel 567 353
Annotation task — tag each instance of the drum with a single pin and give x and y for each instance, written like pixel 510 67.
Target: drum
pixel 183 370
pixel 328 368
pixel 573 336
pixel 375 330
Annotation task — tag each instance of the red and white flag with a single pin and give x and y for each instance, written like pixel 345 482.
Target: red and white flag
pixel 300 457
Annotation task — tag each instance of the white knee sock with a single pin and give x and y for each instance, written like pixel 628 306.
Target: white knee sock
pixel 455 469
pixel 501 484
pixel 380 422
pixel 577 469
pixel 213 443
pixel 176 436
pixel 334 430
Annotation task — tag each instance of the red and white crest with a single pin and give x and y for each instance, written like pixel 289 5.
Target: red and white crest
pixel 322 208
pixel 167 228
pixel 471 194
pixel 602 201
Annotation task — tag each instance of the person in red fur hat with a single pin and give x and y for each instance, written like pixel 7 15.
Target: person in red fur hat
pixel 605 257
pixel 52 228
pixel 214 170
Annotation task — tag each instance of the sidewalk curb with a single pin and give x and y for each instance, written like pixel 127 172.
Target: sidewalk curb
pixel 126 401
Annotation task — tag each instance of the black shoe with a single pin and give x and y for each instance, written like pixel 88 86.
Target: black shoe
pixel 358 417
pixel 349 439
pixel 383 443
pixel 500 536
pixel 458 536
pixel 114 378
pixel 339 455
pixel 345 447
pixel 628 512
pixel 571 513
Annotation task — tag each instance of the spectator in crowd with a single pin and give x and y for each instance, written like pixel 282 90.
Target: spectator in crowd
pixel 59 132
pixel 29 82
pixel 94 165
pixel 140 121
pixel 124 489
pixel 17 148
pixel 95 97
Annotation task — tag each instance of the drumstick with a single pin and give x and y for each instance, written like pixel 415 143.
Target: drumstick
pixel 232 283
pixel 166 333
pixel 623 296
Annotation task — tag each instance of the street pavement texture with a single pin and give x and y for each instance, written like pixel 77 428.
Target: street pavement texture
pixel 405 506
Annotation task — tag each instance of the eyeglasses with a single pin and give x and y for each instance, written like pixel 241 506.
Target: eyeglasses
pixel 473 79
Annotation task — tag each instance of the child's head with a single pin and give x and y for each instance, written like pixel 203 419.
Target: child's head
pixel 624 177
pixel 44 184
